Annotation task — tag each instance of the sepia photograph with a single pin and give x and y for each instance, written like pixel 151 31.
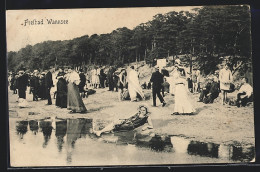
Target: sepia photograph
pixel 130 86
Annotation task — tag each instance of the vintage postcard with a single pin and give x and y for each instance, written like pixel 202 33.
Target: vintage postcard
pixel 130 86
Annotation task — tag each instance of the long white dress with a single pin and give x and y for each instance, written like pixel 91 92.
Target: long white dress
pixel 182 103
pixel 93 76
pixel 174 75
pixel 97 81
pixel 134 86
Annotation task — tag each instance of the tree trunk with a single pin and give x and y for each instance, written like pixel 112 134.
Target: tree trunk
pixel 145 51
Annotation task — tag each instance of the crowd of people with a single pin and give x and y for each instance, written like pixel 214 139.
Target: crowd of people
pixel 71 86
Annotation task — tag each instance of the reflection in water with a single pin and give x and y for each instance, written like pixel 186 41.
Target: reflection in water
pixel 73 129
pixel 125 138
pixel 21 128
pixel 156 143
pixel 203 149
pixel 46 128
pixel 61 130
pixel 161 143
pixel 242 153
pixel 225 151
pixel 34 126
pixel 180 145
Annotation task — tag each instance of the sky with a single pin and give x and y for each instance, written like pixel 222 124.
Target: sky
pixel 80 22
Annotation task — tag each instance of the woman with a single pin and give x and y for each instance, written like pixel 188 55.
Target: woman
pixel 225 78
pixel 182 104
pixel 122 84
pixel 139 119
pixel 74 101
pixel 194 78
pixel 134 86
pixel 61 97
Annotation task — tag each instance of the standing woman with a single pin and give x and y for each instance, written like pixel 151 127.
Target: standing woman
pixel 134 86
pixel 74 101
pixel 122 84
pixel 61 97
pixel 182 104
pixel 225 78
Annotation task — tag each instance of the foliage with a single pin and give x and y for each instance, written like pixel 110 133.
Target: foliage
pixel 206 33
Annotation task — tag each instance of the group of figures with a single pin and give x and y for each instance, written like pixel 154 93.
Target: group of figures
pixel 71 87
pixel 40 85
pixel 124 81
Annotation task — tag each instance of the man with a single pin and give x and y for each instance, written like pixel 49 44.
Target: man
pixel 245 93
pixel 157 80
pixel 48 85
pixel 82 83
pixel 210 92
pixel 22 83
pixel 110 78
pixel 34 81
pixel 249 74
pixel 102 78
pixel 115 79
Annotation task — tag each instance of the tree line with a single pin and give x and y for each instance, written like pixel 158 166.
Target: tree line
pixel 206 33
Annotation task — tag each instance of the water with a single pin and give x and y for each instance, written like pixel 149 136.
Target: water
pixel 69 142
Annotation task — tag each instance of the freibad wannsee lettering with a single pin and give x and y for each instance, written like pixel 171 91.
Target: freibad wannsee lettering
pixel 28 22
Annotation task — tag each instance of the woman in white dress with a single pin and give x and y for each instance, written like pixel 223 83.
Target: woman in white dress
pixel 93 77
pixel 225 78
pixel 182 104
pixel 74 101
pixel 134 86
pixel 174 74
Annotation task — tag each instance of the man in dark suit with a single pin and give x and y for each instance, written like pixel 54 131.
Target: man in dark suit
pixel 210 92
pixel 110 78
pixel 48 85
pixel 34 83
pixel 22 83
pixel 157 80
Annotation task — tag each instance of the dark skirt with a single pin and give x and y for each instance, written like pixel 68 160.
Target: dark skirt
pixel 74 101
pixel 61 97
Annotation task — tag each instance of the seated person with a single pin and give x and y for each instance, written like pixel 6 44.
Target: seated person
pixel 139 119
pixel 149 85
pixel 166 86
pixel 210 92
pixel 245 93
pixel 144 86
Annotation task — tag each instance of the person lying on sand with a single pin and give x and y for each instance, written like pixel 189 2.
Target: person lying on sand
pixel 140 118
